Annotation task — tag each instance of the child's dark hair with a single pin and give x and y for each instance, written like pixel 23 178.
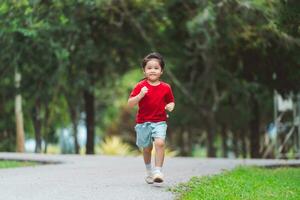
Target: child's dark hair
pixel 154 55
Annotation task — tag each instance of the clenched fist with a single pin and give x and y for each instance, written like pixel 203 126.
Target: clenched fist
pixel 170 106
pixel 143 91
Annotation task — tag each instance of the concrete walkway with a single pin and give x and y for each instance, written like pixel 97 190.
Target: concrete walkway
pixel 104 177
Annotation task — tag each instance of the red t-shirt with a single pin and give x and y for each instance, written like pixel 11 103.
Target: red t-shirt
pixel 152 105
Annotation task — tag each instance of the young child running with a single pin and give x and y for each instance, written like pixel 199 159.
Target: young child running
pixel 154 97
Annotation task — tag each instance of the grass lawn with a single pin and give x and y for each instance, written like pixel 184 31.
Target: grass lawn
pixel 12 163
pixel 243 183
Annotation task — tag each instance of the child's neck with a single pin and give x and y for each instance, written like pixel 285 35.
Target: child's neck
pixel 154 83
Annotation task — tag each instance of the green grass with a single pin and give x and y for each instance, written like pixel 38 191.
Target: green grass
pixel 12 164
pixel 243 183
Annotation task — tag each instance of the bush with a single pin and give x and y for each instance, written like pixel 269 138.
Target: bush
pixel 116 146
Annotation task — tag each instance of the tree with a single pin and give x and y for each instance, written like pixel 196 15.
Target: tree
pixel 19 116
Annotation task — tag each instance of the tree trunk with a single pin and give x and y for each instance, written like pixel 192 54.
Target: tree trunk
pixel 186 143
pixel 46 125
pixel 211 130
pixel 37 124
pixel 254 128
pixel 171 139
pixel 244 143
pixel 236 140
pixel 224 140
pixel 19 116
pixel 74 118
pixel 177 139
pixel 90 121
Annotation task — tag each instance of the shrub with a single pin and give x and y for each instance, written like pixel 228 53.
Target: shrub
pixel 116 146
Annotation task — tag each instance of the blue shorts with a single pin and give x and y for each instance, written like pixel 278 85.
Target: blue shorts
pixel 146 132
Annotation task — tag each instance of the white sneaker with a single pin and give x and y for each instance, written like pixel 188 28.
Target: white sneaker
pixel 158 177
pixel 149 178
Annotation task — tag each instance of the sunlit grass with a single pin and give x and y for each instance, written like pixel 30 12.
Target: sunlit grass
pixel 13 164
pixel 244 183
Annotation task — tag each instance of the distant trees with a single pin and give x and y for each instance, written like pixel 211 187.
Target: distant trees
pixel 234 54
pixel 224 58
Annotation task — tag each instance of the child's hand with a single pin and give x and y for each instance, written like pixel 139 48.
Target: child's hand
pixel 143 91
pixel 170 106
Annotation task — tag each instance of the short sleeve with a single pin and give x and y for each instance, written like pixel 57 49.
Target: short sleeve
pixel 136 90
pixel 169 95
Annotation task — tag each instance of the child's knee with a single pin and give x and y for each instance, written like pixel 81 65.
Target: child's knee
pixel 160 143
pixel 147 149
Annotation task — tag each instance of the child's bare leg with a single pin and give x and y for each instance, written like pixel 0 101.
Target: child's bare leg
pixel 147 159
pixel 159 159
pixel 159 152
pixel 147 154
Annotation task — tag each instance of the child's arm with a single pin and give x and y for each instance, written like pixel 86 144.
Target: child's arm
pixel 170 99
pixel 132 101
pixel 170 106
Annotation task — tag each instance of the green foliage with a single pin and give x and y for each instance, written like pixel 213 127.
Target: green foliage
pixel 244 183
pixel 220 53
pixel 117 96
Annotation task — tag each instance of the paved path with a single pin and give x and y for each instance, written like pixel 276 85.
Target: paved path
pixel 104 177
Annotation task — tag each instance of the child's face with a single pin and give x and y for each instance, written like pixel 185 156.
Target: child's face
pixel 153 70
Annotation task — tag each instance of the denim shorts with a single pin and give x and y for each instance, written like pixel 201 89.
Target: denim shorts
pixel 146 132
